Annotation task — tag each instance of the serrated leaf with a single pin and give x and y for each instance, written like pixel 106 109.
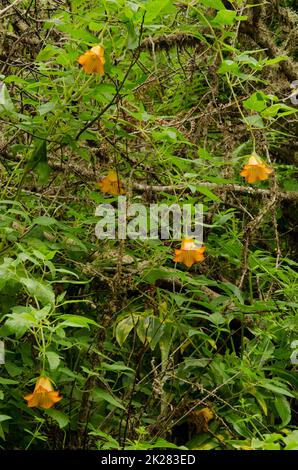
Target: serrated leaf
pixel 276 60
pixel 44 220
pixel 255 121
pixel 278 109
pixel 43 292
pixel 256 102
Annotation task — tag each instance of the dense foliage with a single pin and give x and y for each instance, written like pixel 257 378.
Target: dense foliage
pixel 147 352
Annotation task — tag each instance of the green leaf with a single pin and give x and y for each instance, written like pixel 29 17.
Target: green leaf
pixel 255 121
pixel 208 193
pixel 292 440
pixel 6 103
pixel 247 59
pixel 132 37
pixel 216 4
pixel 42 291
pixel 260 399
pixel 203 153
pixel 58 416
pixel 123 329
pixel 46 108
pixel 100 394
pixel 39 161
pixel 150 330
pixel 276 60
pixel 48 52
pixel 76 321
pixel 278 109
pixel 154 8
pixel 116 367
pixel 230 66
pixel 4 418
pixel 44 220
pixel 276 388
pixel 152 275
pixel 225 17
pixel 284 410
pixel 53 358
pixel 255 102
pixel 8 381
pixel 19 323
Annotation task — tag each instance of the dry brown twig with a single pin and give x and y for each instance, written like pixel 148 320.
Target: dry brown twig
pixel 89 175
pixel 13 4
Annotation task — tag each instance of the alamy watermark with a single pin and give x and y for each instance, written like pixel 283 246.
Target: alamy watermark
pixel 154 221
pixel 294 355
pixel 2 353
pixel 294 95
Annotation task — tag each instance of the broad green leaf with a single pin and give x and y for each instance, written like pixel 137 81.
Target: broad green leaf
pixel 42 291
pixel 6 103
pixel 207 192
pixel 292 440
pixel 124 327
pixel 19 323
pixel 46 108
pixel 256 102
pixel 4 381
pixel 39 161
pixel 203 153
pixel 53 358
pixel 132 37
pixel 225 17
pixel 61 418
pixel 229 66
pixel 216 4
pixel 4 418
pixel 154 274
pixel 284 410
pixel 278 109
pixel 255 121
pixel 155 8
pixel 150 330
pixel 100 394
pixel 48 52
pixel 44 220
pixel 260 399
pixel 76 321
pixel 275 389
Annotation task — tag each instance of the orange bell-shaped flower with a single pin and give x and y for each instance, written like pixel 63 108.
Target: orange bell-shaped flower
pixel 111 184
pixel 93 61
pixel 43 395
pixel 189 253
pixel 255 170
